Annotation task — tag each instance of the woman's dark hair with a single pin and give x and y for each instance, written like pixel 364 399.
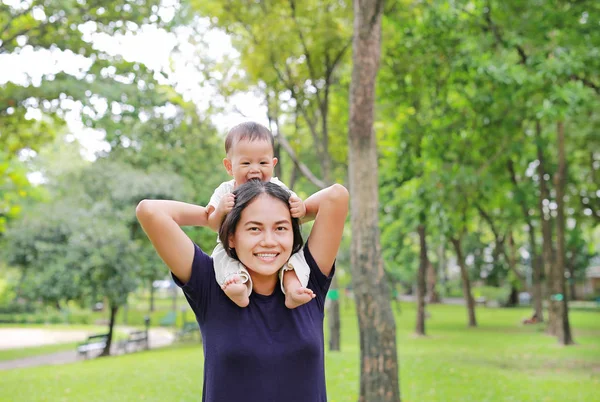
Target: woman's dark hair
pixel 244 195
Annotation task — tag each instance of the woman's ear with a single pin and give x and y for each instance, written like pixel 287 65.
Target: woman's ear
pixel 231 242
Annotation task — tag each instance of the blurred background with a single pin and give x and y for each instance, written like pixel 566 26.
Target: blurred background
pixel 488 140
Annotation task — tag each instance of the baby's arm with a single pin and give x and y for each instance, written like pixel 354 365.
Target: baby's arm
pixel 297 207
pixel 215 216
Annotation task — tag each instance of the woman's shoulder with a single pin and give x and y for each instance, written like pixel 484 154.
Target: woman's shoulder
pixel 202 269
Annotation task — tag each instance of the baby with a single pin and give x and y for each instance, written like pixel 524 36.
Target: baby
pixel 249 149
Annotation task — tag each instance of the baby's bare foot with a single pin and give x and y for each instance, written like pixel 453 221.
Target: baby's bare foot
pixel 236 291
pixel 297 297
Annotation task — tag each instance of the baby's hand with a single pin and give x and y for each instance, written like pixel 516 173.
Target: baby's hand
pixel 226 203
pixel 297 207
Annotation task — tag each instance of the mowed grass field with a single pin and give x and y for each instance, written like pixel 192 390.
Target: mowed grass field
pixel 501 360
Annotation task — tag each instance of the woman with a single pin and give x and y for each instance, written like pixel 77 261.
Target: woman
pixel 264 352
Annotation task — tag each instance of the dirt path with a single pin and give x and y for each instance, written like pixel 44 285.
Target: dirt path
pixel 21 337
pixel 12 338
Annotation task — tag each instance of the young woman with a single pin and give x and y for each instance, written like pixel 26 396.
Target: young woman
pixel 264 352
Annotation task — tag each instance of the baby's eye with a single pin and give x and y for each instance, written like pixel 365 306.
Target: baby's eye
pixel 264 163
pixel 245 163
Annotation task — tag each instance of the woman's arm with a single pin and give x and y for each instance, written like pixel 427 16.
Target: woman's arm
pixel 330 208
pixel 162 221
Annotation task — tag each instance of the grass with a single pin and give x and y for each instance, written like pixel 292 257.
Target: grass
pixel 500 360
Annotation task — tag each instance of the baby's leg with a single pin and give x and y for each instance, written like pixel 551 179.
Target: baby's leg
pixel 232 276
pixel 295 294
pixel 236 290
pixel 294 281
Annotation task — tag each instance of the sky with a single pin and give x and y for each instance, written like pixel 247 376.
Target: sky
pixel 152 47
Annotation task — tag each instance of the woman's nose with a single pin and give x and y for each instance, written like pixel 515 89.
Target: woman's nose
pixel 268 238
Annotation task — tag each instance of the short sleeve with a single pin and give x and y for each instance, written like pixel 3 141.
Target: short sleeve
pixel 224 188
pixel 200 288
pixel 275 180
pixel 318 282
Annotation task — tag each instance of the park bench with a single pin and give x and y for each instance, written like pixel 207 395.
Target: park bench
pixel 168 320
pixel 93 343
pixel 189 329
pixel 481 301
pixel 136 340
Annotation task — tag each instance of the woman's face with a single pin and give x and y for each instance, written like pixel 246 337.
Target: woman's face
pixel 263 239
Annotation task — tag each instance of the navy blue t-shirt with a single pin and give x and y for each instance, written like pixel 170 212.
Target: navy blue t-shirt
pixel 264 352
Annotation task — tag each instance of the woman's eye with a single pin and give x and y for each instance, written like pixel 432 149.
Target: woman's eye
pixel 253 229
pixel 282 228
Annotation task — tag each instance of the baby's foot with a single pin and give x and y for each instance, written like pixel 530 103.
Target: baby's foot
pixel 236 290
pixel 297 297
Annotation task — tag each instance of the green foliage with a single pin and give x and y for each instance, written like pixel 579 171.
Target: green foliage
pixel 461 86
pixel 32 110
pixel 82 246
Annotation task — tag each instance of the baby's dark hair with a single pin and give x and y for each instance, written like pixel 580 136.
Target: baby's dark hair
pixel 244 195
pixel 250 131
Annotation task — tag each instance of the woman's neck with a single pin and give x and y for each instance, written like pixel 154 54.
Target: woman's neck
pixel 263 284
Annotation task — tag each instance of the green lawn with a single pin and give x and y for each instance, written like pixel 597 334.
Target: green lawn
pixel 499 361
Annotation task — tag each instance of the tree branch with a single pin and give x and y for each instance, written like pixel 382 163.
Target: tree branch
pixel 311 70
pixel 301 166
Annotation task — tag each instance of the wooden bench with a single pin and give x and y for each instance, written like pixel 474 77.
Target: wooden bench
pixel 482 301
pixel 168 320
pixel 93 343
pixel 189 329
pixel 136 340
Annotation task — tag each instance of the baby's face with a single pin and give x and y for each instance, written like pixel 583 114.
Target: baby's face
pixel 250 160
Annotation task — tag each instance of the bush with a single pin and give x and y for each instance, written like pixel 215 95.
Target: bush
pixel 500 295
pixel 7 318
pixel 80 317
pixel 55 318
pixel 17 308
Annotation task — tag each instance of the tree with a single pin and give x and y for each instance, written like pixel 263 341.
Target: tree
pixel 377 329
pixel 32 110
pixel 559 297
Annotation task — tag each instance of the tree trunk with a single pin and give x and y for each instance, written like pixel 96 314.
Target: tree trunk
pixel 536 264
pixel 334 317
pixel 547 249
pixel 111 325
pixel 20 285
pixel 379 379
pixel 571 270
pixel 421 284
pixel 470 303
pixel 559 299
pixel 442 266
pixel 513 296
pixel 433 296
pixel 151 296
